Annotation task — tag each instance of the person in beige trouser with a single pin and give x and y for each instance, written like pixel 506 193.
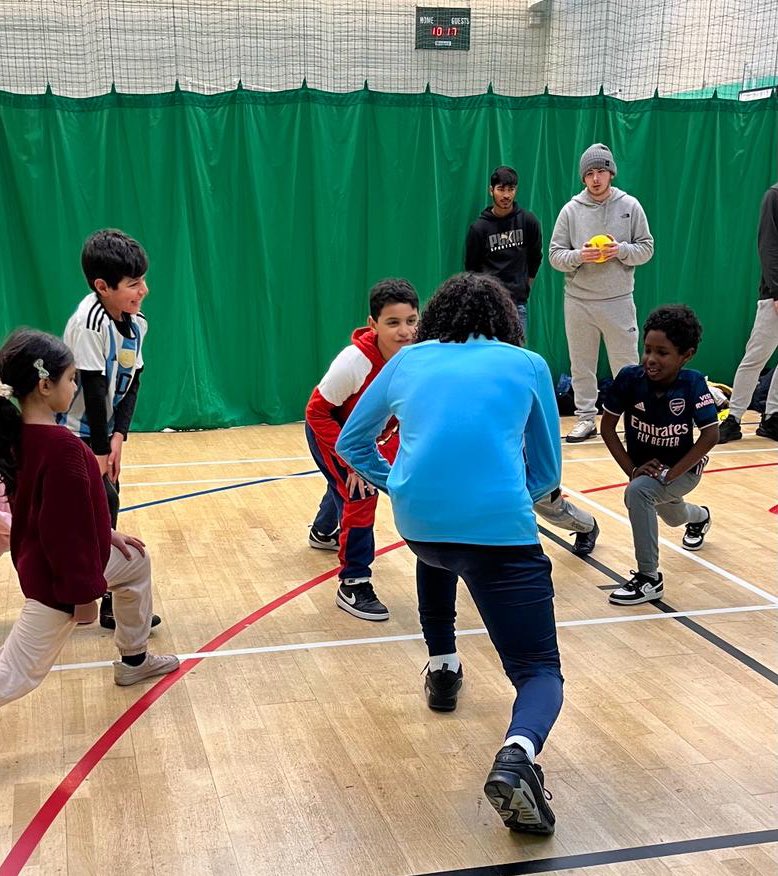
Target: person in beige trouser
pixel 39 634
pixel 599 281
pixel 62 545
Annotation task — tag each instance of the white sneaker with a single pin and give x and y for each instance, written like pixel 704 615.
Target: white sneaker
pixel 153 665
pixel 582 430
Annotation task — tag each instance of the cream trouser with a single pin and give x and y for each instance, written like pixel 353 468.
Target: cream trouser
pixel 37 637
pixel 587 322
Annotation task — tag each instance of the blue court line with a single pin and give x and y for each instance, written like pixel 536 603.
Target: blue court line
pixel 297 474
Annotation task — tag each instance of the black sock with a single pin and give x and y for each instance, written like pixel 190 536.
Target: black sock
pixel 134 659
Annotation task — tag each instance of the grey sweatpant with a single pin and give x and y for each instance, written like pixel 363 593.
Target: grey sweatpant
pixel 761 345
pixel 615 321
pixel 563 514
pixel 646 498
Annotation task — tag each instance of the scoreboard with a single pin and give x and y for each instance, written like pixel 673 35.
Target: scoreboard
pixel 445 28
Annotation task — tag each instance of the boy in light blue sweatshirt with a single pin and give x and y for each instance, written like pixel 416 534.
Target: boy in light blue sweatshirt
pixel 462 495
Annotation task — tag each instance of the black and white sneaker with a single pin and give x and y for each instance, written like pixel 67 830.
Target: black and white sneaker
pixel 585 541
pixel 640 588
pixel 323 542
pixel 695 533
pixel 361 601
pixel 442 687
pixel 515 787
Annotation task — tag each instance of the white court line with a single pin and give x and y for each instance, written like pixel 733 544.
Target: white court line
pixel 689 555
pixel 413 637
pixel 218 462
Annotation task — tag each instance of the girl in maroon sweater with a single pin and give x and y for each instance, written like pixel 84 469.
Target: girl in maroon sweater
pixel 62 544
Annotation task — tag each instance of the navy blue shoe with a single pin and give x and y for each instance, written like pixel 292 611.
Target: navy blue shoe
pixel 515 787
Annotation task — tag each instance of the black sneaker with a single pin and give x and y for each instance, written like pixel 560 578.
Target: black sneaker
pixel 361 601
pixel 729 430
pixel 107 620
pixel 323 542
pixel 640 588
pixel 442 687
pixel 585 541
pixel 768 428
pixel 695 533
pixel 515 787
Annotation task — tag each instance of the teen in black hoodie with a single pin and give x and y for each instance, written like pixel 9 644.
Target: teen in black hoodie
pixel 505 241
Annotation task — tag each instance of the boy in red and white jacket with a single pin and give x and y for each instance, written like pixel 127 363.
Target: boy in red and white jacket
pixel 347 511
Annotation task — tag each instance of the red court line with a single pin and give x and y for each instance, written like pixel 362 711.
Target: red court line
pixel 705 471
pixel 43 819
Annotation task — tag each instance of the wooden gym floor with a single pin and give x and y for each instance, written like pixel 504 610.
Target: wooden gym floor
pixel 299 742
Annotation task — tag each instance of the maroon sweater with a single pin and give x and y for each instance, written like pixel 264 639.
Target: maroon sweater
pixel 61 532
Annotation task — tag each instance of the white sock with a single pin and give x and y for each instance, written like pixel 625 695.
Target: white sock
pixel 525 743
pixel 438 661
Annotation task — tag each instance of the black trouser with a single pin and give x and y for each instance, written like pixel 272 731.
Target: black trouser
pixel 111 492
pixel 512 589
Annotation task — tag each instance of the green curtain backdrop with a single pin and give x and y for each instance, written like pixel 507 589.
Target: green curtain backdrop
pixel 268 216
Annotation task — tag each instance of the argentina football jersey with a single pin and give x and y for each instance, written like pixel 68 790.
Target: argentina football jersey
pixel 659 420
pixel 101 344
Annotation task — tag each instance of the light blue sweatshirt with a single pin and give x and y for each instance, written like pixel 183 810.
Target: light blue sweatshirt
pixel 479 441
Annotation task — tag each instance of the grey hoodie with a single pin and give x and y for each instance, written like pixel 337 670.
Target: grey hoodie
pixel 580 219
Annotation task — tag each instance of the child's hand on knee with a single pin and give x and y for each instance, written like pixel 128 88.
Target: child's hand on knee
pixel 125 542
pixel 651 469
pixel 357 486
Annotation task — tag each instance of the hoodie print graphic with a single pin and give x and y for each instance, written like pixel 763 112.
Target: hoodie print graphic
pixel 506 239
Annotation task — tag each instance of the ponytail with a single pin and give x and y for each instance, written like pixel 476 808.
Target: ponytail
pixel 10 432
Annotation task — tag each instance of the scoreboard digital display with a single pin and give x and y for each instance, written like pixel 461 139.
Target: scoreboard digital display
pixel 442 28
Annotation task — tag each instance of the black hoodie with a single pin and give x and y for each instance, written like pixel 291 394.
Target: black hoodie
pixel 768 244
pixel 508 247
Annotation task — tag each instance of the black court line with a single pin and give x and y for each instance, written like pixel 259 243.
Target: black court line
pixel 268 480
pixel 722 644
pixel 617 856
pixel 590 560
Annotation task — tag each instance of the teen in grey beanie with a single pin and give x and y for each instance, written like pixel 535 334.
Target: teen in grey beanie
pixel 597 156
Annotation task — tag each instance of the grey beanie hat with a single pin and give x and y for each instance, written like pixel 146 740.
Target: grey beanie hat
pixel 597 156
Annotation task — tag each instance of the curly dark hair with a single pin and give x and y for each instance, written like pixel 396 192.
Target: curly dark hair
pixel 679 323
pixel 470 304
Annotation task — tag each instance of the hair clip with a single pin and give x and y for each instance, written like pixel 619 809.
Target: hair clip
pixel 6 391
pixel 39 367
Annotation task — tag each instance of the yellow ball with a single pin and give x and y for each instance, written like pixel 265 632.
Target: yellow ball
pixel 600 240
